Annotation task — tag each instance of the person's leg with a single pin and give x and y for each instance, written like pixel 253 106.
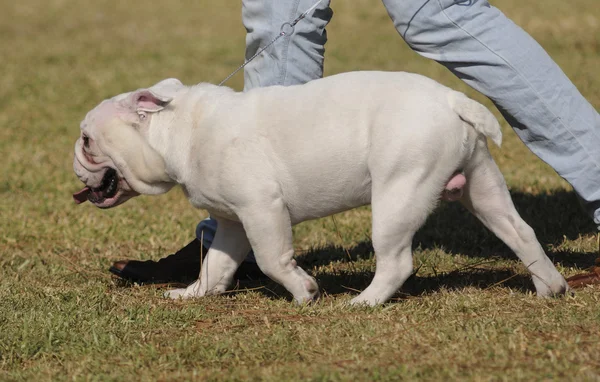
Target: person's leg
pixel 293 59
pixel 493 55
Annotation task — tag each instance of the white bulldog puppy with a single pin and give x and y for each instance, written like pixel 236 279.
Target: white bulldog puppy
pixel 264 160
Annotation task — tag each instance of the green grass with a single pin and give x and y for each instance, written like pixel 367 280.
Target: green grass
pixel 467 314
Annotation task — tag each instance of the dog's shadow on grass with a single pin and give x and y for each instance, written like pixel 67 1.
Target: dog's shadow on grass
pixel 554 217
pixel 354 282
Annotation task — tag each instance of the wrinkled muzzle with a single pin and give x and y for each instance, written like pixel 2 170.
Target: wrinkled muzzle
pixel 104 187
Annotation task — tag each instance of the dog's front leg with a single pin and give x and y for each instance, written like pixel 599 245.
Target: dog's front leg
pixel 269 230
pixel 229 248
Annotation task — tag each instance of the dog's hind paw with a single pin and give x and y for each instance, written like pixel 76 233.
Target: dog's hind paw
pixel 556 288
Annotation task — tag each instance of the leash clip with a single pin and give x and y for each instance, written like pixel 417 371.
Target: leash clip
pixel 287 29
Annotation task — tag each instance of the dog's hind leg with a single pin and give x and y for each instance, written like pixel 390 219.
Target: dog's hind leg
pixel 400 207
pixel 487 197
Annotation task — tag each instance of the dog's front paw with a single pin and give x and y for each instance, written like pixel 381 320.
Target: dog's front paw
pixel 175 294
pixel 362 300
pixel 554 288
pixel 193 290
pixel 310 293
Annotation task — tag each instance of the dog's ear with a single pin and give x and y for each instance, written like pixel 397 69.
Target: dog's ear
pixel 149 101
pixel 167 86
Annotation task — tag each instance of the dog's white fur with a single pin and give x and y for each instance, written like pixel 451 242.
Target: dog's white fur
pixel 264 160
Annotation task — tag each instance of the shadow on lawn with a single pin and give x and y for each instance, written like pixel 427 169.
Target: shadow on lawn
pixel 421 285
pixel 553 217
pixel 355 282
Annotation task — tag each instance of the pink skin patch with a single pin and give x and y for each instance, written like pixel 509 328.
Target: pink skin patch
pixel 454 188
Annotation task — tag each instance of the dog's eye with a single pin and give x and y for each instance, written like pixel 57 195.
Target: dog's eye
pixel 86 141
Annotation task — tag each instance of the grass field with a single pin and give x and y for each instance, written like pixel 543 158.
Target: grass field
pixel 467 314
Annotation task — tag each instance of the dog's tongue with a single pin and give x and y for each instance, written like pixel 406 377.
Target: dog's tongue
pixel 82 196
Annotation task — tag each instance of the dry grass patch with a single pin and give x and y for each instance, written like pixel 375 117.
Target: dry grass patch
pixel 467 314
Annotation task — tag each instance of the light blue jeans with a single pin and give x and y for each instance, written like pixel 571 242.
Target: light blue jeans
pixel 477 43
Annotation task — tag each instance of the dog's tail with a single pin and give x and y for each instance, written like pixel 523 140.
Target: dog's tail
pixel 476 115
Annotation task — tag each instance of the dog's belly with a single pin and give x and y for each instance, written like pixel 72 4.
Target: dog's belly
pixel 299 214
pixel 323 196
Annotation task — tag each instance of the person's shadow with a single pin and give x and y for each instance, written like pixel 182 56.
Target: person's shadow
pixel 554 218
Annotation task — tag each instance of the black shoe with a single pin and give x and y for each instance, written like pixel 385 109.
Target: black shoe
pixel 183 266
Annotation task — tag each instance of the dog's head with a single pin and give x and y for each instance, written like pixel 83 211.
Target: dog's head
pixel 112 154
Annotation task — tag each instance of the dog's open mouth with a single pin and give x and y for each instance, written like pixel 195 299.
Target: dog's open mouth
pixel 107 189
